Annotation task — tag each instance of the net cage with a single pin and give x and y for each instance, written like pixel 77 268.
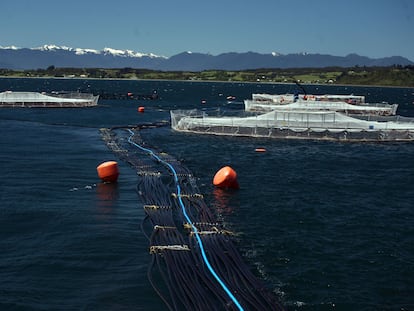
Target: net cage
pixel 75 99
pixel 281 98
pixel 340 106
pixel 320 125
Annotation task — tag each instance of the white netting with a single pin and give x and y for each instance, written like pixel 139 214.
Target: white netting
pixel 303 124
pixel 32 98
pixel 375 109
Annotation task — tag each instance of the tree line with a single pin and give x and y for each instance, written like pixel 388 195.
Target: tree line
pixel 385 76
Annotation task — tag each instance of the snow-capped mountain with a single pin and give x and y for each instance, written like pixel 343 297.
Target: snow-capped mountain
pixel 62 56
pixel 80 51
pixel 128 53
pixel 12 57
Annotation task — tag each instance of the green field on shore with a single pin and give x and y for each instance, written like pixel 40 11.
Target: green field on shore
pixel 380 76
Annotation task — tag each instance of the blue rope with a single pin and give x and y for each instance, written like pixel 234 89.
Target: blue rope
pixel 203 253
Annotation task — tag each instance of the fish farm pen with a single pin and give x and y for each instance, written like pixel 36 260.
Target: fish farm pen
pixel 288 124
pixel 11 99
pixel 195 264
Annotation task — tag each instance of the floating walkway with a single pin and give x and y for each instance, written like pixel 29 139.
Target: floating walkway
pixel 195 265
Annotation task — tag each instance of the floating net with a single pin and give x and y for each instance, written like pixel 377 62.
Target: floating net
pixel 195 264
pixel 32 99
pixel 316 125
pixel 347 108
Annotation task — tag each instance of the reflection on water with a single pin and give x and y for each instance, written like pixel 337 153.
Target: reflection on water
pixel 224 201
pixel 107 195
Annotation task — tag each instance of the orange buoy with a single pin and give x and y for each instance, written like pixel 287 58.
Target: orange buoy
pixel 108 171
pixel 260 149
pixel 141 109
pixel 226 177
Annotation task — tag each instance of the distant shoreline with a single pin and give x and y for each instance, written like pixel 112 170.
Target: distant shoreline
pixel 389 77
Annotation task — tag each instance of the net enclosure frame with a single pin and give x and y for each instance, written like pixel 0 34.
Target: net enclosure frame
pixel 286 124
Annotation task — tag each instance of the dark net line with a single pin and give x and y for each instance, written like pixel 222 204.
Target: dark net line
pixel 177 271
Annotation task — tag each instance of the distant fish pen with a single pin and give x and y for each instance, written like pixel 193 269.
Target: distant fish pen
pixel 305 124
pixel 10 99
pixel 195 265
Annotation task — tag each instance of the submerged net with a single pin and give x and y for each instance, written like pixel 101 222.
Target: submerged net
pixel 195 264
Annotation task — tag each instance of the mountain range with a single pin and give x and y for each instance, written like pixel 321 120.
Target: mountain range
pixel 62 56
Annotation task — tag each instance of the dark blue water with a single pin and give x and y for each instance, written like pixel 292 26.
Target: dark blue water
pixel 328 226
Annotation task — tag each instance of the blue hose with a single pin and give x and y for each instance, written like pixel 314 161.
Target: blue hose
pixel 194 229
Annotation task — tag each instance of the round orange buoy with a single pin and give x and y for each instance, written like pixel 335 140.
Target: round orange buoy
pixel 226 177
pixel 108 171
pixel 260 149
pixel 141 109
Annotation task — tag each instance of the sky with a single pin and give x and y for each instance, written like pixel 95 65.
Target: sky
pixel 373 28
